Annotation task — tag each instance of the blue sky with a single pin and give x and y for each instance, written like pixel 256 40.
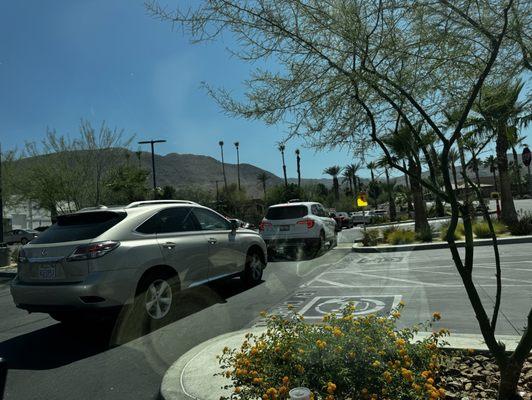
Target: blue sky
pixel 64 60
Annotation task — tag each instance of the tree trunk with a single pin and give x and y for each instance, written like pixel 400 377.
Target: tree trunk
pixel 508 213
pixel 336 188
pixel 298 171
pixel 391 201
pixel 517 172
pixel 420 213
pixel 509 375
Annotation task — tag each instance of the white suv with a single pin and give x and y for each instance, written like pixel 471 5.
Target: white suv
pixel 296 224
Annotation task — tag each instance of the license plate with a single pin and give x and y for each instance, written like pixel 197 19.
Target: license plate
pixel 47 272
pixel 284 228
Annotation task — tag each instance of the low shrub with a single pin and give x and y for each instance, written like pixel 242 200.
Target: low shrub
pixel 401 236
pixel 343 358
pixel 482 230
pixel 370 237
pixel 499 227
pixel 458 233
pixel 523 226
pixel 424 235
pixel 387 231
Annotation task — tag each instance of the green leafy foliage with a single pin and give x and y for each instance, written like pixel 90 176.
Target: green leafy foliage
pixel 458 233
pixel 402 236
pixel 370 237
pixel 343 358
pixel 386 232
pixel 523 226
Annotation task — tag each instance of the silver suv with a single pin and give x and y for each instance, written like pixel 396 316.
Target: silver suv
pixel 140 255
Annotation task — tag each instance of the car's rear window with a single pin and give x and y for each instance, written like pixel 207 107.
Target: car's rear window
pixel 286 212
pixel 80 226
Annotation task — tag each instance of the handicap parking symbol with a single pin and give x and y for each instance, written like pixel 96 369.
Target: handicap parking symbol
pixel 319 306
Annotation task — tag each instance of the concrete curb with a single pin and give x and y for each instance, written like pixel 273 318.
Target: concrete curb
pixel 440 245
pixel 197 365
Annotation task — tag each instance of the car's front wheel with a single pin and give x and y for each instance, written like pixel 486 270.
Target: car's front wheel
pixel 23 241
pixel 252 274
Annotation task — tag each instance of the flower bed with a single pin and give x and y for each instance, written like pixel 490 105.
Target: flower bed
pixel 343 358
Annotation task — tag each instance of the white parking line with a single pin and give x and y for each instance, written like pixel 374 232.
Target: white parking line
pixel 392 279
pixel 460 285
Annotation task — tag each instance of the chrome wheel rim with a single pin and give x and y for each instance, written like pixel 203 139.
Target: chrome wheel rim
pixel 255 266
pixel 158 299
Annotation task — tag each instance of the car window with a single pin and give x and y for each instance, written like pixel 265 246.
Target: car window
pixel 321 211
pixel 210 221
pixel 79 226
pixel 286 212
pixel 177 219
pixel 315 210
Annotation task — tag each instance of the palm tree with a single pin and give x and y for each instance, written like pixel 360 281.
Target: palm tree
pixel 281 148
pixel 515 140
pixel 491 163
pixel 390 188
pixel 221 143
pixel 372 166
pixel 501 112
pixel 348 177
pixel 298 160
pixel 334 171
pixel 263 178
pixel 237 145
pixel 404 146
pixel 352 170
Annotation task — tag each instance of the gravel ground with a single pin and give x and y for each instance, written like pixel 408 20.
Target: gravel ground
pixel 469 377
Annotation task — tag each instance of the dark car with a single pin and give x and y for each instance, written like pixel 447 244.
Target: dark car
pixel 343 220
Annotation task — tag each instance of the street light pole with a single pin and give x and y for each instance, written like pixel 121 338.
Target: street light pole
pixel 152 142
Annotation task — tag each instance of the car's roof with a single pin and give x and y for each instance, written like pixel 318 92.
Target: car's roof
pixel 299 203
pixel 137 209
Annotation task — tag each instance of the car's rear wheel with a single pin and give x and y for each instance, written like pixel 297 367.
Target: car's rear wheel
pixel 23 241
pixel 156 299
pixel 255 264
pixel 67 318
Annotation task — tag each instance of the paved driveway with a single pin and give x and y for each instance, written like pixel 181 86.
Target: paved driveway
pixel 427 281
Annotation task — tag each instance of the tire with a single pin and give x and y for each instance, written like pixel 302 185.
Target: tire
pixel 254 268
pixel 23 241
pixel 319 244
pixel 156 299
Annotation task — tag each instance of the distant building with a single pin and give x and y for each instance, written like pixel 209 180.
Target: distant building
pixel 26 215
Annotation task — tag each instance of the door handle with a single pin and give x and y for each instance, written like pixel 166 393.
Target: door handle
pixel 169 245
pixel 212 241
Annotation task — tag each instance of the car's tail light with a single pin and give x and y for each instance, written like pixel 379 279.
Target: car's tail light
pixel 22 258
pixel 263 225
pixel 308 222
pixel 93 250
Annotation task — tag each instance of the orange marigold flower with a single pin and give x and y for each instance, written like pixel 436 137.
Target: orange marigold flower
pixel 400 342
pixel 285 379
pixel 331 387
pixel 442 392
pixel 425 374
pixel 436 316
pixel 431 381
pixel 387 376
pixel 329 397
pixel 376 364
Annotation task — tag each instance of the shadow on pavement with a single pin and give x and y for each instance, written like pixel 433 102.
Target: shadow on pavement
pixel 61 344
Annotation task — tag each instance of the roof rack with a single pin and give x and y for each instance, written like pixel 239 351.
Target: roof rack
pixel 294 201
pixel 155 202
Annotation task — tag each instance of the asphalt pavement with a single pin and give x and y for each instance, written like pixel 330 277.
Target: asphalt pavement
pixel 49 361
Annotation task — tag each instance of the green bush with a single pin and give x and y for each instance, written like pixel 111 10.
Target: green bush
pixel 343 358
pixel 370 237
pixel 401 236
pixel 387 231
pixel 424 235
pixel 482 230
pixel 523 226
pixel 499 227
pixel 458 233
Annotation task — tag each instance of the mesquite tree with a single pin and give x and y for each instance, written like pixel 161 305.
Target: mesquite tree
pixel 347 72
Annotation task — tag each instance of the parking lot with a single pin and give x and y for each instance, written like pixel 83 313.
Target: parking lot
pixel 111 363
pixel 427 281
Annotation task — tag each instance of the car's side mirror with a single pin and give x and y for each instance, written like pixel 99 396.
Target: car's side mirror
pixel 234 224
